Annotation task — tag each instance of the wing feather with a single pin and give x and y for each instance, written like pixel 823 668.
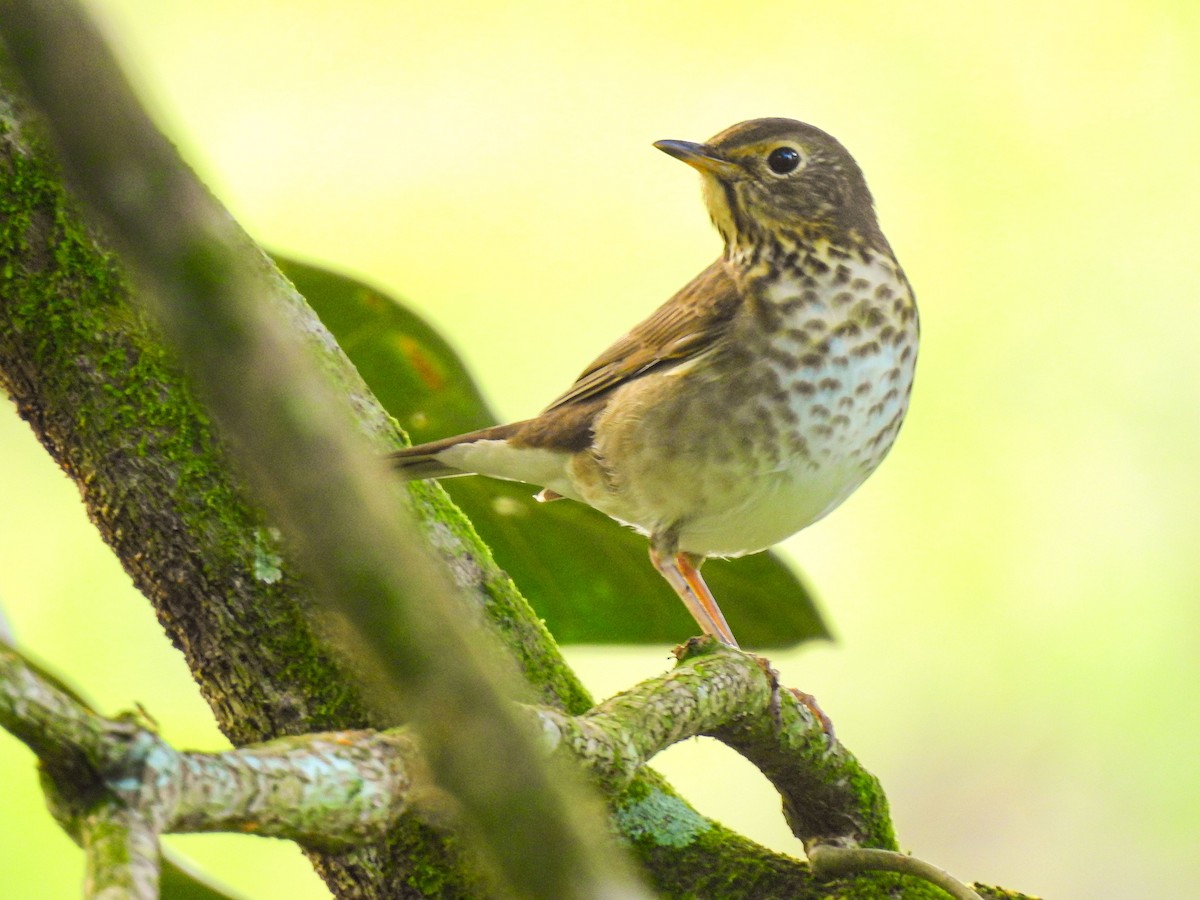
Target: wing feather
pixel 683 327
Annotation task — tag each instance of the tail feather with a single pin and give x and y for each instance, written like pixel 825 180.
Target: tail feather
pixel 420 462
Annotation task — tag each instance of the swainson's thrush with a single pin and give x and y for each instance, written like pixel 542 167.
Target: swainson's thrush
pixel 757 398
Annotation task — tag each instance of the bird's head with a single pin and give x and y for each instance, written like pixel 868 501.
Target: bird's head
pixel 782 181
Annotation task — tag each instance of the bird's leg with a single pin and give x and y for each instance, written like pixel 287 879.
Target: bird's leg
pixel 682 572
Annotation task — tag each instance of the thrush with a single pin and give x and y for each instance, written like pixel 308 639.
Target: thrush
pixel 757 398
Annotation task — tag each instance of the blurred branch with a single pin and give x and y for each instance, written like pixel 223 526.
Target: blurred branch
pixel 122 854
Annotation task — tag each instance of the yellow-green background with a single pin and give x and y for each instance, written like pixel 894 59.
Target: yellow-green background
pixel 1015 592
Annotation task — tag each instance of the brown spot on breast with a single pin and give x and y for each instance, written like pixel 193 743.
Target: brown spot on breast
pixel 841 275
pixel 765 422
pixel 870 348
pixel 788 361
pixel 906 353
pixel 846 403
pixel 840 420
pixel 818 411
pixel 860 284
pixel 812 360
pixel 841 361
pixel 884 292
pixel 845 298
pixel 766 315
pixel 830 384
pixel 803 388
pixel 848 329
pixel 816 325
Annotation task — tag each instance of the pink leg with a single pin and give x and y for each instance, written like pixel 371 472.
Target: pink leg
pixel 683 574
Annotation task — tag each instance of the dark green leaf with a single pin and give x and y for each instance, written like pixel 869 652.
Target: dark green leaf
pixel 588 577
pixel 180 880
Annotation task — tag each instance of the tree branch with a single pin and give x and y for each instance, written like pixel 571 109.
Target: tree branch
pixel 343 789
pixel 122 855
pixel 735 697
pixel 331 790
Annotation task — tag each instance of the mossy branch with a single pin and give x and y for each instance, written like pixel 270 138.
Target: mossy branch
pixel 116 785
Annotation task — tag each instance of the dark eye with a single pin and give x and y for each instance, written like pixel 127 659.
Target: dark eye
pixel 783 160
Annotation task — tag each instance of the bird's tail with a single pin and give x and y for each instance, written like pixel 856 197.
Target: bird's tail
pixel 421 462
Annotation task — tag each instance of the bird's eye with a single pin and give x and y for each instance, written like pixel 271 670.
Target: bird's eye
pixel 783 160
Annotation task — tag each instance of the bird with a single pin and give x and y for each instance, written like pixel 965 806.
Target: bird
pixel 757 398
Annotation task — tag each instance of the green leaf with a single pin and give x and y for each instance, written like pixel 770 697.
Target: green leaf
pixel 180 880
pixel 589 578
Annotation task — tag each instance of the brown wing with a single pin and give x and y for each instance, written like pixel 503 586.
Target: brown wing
pixel 683 327
pixel 686 325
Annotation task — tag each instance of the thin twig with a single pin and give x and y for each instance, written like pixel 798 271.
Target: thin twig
pixel 828 862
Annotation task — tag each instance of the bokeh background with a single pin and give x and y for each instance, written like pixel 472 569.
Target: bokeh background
pixel 1014 593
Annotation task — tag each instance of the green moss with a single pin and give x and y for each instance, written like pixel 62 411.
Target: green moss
pixel 661 817
pixel 434 862
pixel 91 375
pixel 525 634
pixel 267 560
pixel 874 808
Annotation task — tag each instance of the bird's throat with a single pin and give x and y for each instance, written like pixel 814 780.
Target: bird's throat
pixel 722 205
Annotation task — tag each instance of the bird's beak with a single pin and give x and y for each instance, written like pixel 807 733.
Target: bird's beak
pixel 700 156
